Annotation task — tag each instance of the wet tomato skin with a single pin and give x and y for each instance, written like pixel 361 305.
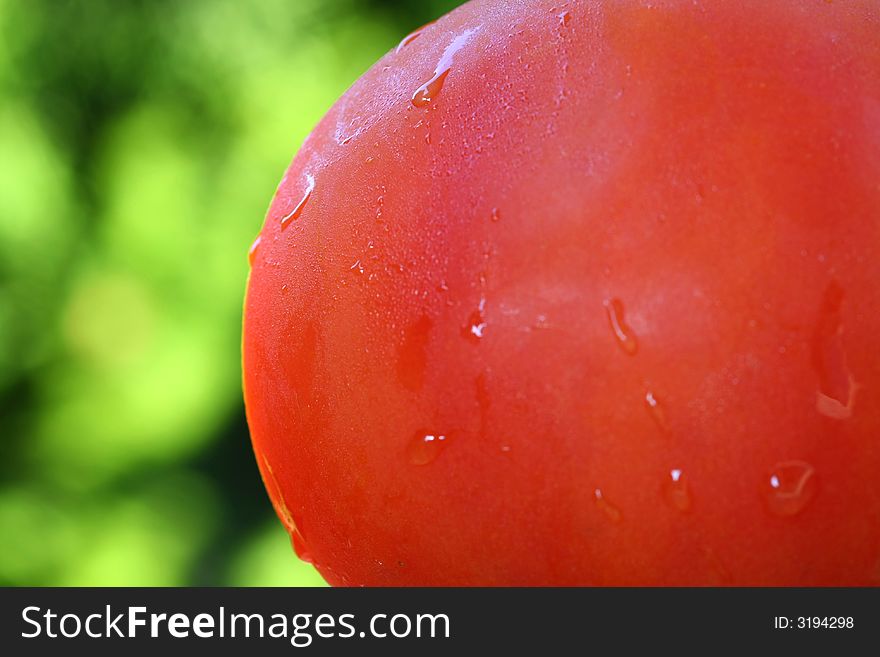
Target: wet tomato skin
pixel 583 293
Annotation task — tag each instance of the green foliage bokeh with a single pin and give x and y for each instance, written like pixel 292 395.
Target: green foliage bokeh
pixel 140 144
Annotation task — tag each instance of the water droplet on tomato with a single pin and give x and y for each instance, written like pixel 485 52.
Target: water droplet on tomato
pixel 299 546
pixel 496 215
pixel 292 527
pixel 425 447
pixel 294 214
pixel 677 491
pixel 624 335
pixel 564 18
pixel 411 356
pixel 428 92
pixel 412 36
pixel 830 407
pixel 252 252
pixel 790 487
pixel 425 94
pixel 837 389
pixel 611 512
pixel 475 327
pixel 380 206
pixel 657 411
pixel 282 510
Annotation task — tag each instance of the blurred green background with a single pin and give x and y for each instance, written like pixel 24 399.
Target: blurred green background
pixel 140 144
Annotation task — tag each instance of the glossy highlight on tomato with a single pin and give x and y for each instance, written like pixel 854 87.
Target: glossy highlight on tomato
pixel 583 293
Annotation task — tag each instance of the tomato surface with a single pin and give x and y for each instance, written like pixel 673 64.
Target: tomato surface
pixel 583 293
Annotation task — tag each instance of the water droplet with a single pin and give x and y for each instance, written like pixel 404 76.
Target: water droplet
pixel 837 389
pixel 564 18
pixel 677 491
pixel 611 512
pixel 252 252
pixel 425 447
pixel 541 323
pixel 496 215
pixel 411 356
pixel 657 411
pixel 830 407
pixel 380 206
pixel 475 327
pixel 294 214
pixel 283 512
pixel 285 515
pixel 625 336
pixel 790 487
pixel 412 36
pixel 425 94
pixel 300 547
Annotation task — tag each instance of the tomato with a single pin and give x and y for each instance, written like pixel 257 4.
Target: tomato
pixel 583 293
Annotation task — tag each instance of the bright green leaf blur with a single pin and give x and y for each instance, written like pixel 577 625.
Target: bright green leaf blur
pixel 140 145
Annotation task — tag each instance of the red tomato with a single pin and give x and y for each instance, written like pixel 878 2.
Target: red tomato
pixel 583 293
